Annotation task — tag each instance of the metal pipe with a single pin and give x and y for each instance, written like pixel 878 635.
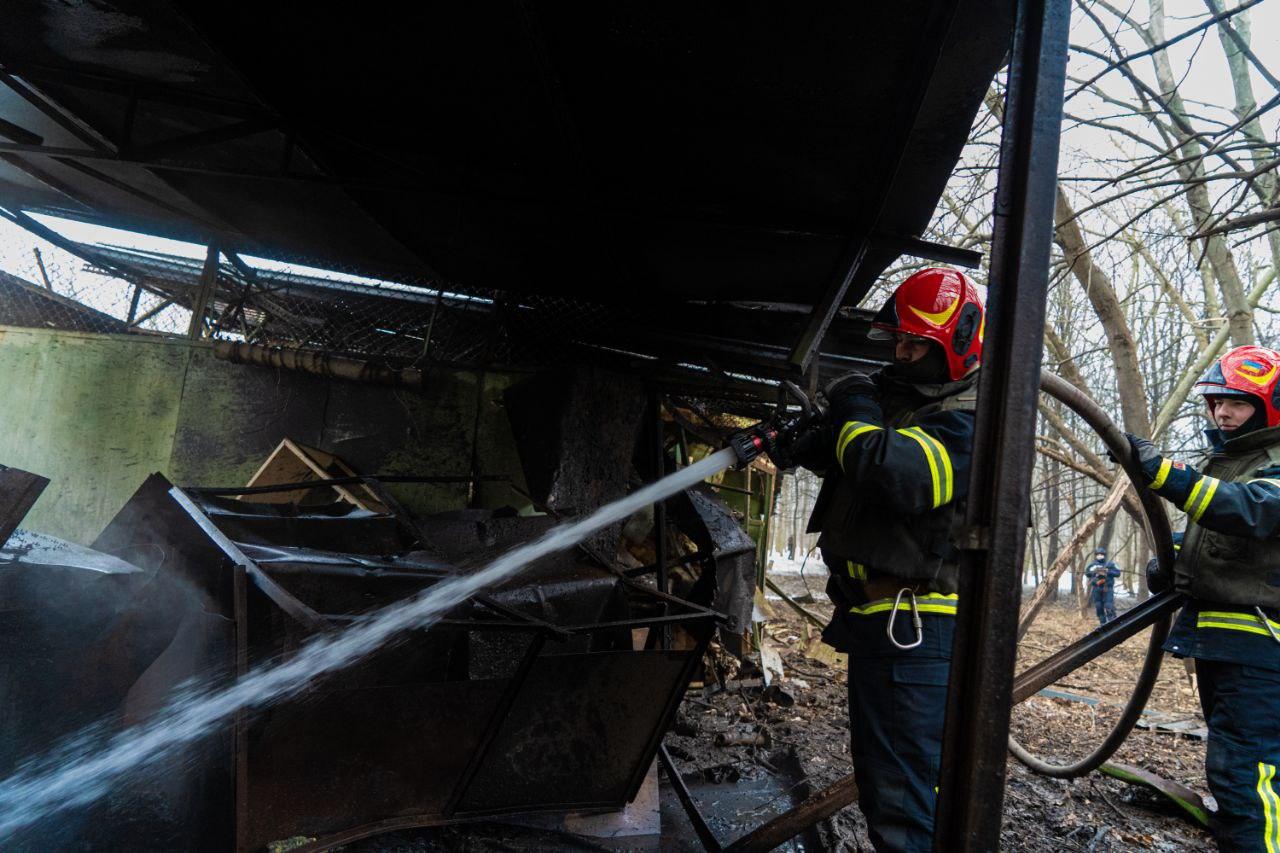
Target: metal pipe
pixel 319 363
pixel 971 784
pixel 660 512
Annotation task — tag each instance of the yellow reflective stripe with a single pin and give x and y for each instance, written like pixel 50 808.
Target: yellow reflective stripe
pixel 1270 806
pixel 934 602
pixel 1232 620
pixel 1195 493
pixel 940 450
pixel 1232 626
pixel 851 430
pixel 1214 482
pixel 948 609
pixel 1163 474
pixel 933 463
pixel 857 571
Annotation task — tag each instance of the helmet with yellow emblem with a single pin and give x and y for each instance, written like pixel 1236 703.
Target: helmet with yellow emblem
pixel 941 305
pixel 1249 372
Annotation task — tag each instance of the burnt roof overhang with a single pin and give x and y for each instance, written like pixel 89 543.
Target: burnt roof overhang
pixel 614 152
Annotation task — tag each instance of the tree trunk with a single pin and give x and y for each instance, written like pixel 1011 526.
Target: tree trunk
pixel 1191 171
pixel 1102 295
pixel 1055 513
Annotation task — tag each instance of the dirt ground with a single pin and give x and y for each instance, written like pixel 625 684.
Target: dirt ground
pixel 1095 813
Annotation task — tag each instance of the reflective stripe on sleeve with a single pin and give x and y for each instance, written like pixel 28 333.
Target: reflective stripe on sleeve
pixel 1270 806
pixel 1232 620
pixel 935 467
pixel 934 602
pixel 1166 466
pixel 1191 498
pixel 851 430
pixel 857 571
pixel 1203 504
pixel 940 450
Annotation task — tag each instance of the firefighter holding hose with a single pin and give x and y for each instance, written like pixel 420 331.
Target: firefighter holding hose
pixel 1229 567
pixel 894 453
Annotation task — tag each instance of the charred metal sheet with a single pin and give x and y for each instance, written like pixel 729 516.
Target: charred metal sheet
pixel 533 699
pixel 579 735
pixel 19 491
pixel 708 521
pixel 57 599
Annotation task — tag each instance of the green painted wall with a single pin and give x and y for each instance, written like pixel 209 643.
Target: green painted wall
pixel 98 413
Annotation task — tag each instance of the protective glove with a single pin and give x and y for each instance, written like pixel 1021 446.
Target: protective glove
pixel 807 442
pixel 853 397
pixel 851 384
pixel 1147 454
pixel 1158 579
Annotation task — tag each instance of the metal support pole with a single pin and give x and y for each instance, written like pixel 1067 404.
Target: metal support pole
pixel 660 511
pixel 971 783
pixel 204 295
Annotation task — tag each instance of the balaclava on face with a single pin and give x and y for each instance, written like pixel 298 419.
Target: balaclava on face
pixel 1256 421
pixel 931 369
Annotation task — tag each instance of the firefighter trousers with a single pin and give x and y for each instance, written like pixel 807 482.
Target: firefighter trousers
pixel 1241 707
pixel 897 707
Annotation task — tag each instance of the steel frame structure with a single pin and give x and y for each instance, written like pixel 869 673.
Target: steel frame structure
pixel 971 783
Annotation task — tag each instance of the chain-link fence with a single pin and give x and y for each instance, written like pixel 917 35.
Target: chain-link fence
pixel 292 312
pixel 181 293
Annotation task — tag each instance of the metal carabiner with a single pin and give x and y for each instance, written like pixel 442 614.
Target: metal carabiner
pixel 1266 623
pixel 915 620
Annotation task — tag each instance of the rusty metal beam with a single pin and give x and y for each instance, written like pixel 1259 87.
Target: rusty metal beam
pixel 971 783
pixel 1095 643
pixel 930 251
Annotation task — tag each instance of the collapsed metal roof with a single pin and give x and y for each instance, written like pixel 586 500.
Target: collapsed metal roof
pixel 616 152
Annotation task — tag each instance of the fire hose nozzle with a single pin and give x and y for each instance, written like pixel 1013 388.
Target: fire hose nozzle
pixel 752 441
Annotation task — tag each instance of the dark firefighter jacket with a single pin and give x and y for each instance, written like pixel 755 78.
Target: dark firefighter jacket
pixel 889 503
pixel 1229 563
pixel 1102 576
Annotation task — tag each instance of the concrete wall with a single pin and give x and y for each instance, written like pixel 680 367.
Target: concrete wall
pixel 98 413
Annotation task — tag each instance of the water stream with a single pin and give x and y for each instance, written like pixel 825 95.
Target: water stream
pixel 78 775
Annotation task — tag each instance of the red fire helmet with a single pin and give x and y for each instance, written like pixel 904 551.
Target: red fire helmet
pixel 942 305
pixel 1248 371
